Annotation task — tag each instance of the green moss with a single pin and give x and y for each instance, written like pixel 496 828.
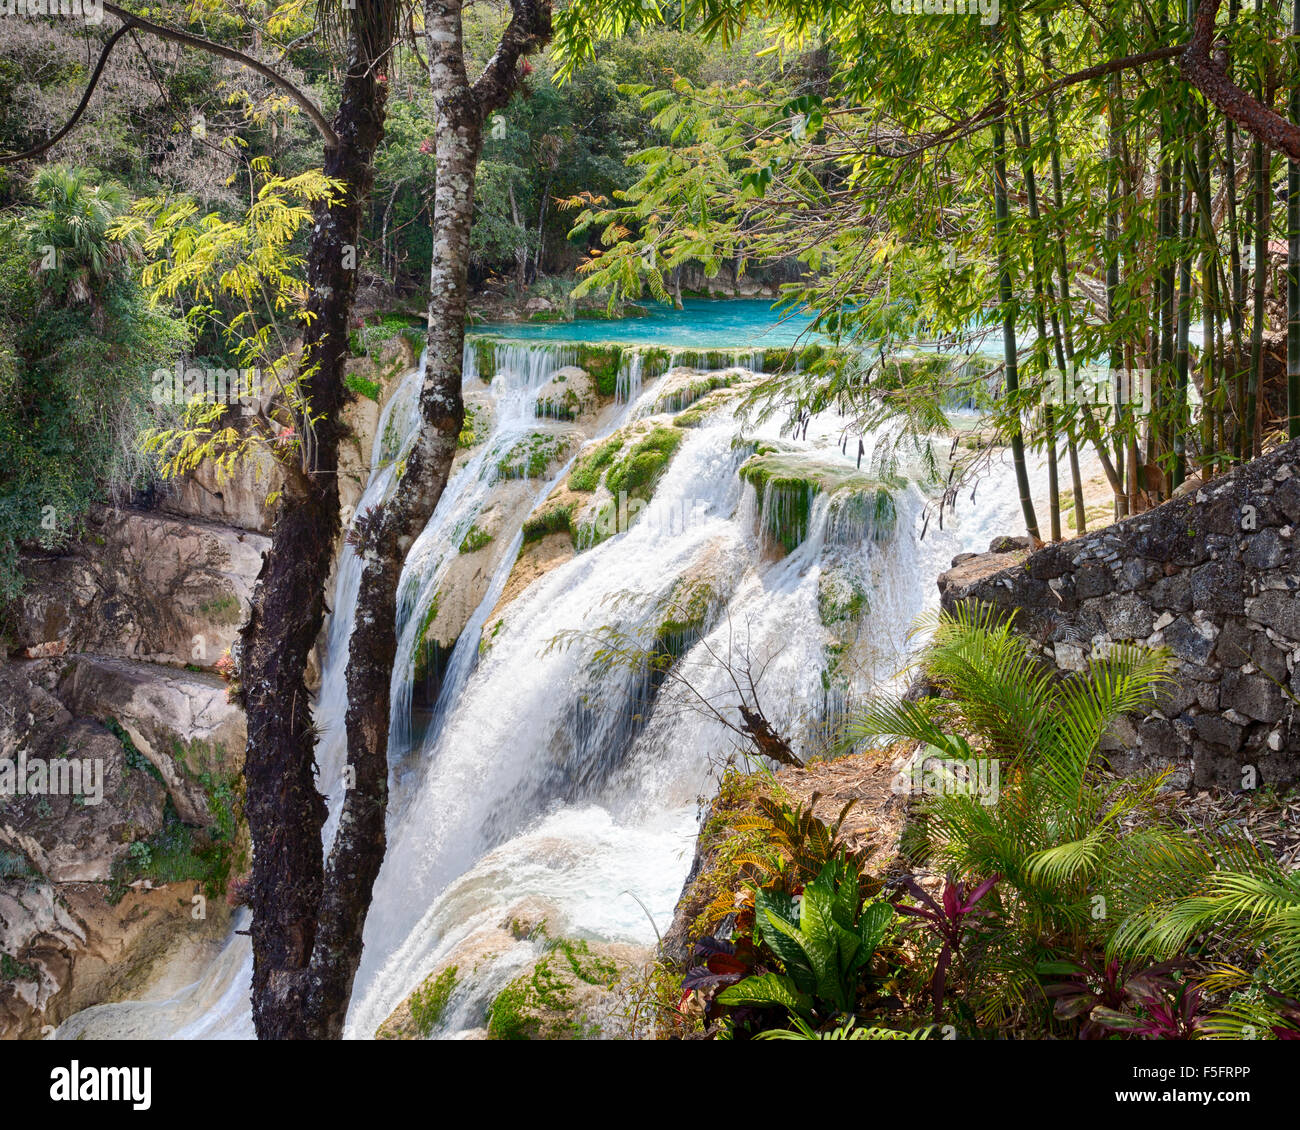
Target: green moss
pixel 11 969
pixel 631 464
pixel 540 1005
pixel 787 483
pixel 686 614
pixel 688 419
pixel 840 598
pixel 474 539
pixel 684 395
pixel 362 386
pixel 485 642
pixel 530 456
pixel 560 403
pixel 777 360
pixel 637 472
pixel 602 364
pixel 429 1001
pixel 373 336
pixel 485 357
pixel 586 473
pixel 551 520
pixel 179 852
pixel 430 615
pixel 136 762
pixel 422 645
pixel 654 363
pixel 223 609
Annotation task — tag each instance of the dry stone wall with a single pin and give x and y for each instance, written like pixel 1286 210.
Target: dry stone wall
pixel 1214 576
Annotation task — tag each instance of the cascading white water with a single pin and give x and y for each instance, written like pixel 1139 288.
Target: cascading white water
pixel 541 776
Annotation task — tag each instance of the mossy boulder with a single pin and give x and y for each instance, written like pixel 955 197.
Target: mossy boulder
pixel 841 598
pixel 570 394
pixel 567 994
pixel 601 363
pixel 485 357
pixel 631 461
pixel 417 1016
pixel 681 388
pixel 622 473
pixel 550 518
pixel 431 653
pixel 643 463
pixel 531 456
pixel 475 539
pixel 787 483
pixel 685 616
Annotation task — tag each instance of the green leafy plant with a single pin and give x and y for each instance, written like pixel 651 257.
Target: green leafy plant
pixel 1077 850
pixel 822 939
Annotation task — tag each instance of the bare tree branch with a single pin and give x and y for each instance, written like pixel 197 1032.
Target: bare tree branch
pixel 131 21
pixel 1210 77
pixel 183 37
pixel 81 107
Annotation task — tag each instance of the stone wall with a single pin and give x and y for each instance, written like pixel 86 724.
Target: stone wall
pixel 1214 576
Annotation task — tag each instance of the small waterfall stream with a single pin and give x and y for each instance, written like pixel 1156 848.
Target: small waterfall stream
pixel 541 775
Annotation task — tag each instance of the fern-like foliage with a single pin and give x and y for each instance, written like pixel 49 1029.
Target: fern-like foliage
pixel 1078 850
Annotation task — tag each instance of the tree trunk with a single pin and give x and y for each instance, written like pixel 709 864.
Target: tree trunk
pixel 384 536
pixel 285 811
pixel 1002 237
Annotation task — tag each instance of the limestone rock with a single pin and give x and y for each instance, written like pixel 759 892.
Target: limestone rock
pixel 182 721
pixel 142 586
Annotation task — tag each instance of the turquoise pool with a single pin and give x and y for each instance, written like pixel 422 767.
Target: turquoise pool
pixel 702 323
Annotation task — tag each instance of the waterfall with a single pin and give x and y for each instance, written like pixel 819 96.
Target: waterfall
pixel 544 775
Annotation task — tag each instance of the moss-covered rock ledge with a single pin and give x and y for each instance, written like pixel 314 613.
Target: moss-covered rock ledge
pixel 787 482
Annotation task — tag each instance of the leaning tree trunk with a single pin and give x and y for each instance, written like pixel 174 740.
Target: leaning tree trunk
pixel 284 809
pixel 384 535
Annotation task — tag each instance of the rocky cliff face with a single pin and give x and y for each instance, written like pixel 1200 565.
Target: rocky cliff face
pixel 115 650
pixel 98 879
pixel 1214 576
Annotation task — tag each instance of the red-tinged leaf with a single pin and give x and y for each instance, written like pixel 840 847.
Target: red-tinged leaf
pixel 980 891
pixel 1116 1021
pixel 1072 1007
pixel 727 963
pixel 1068 989
pixel 951 899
